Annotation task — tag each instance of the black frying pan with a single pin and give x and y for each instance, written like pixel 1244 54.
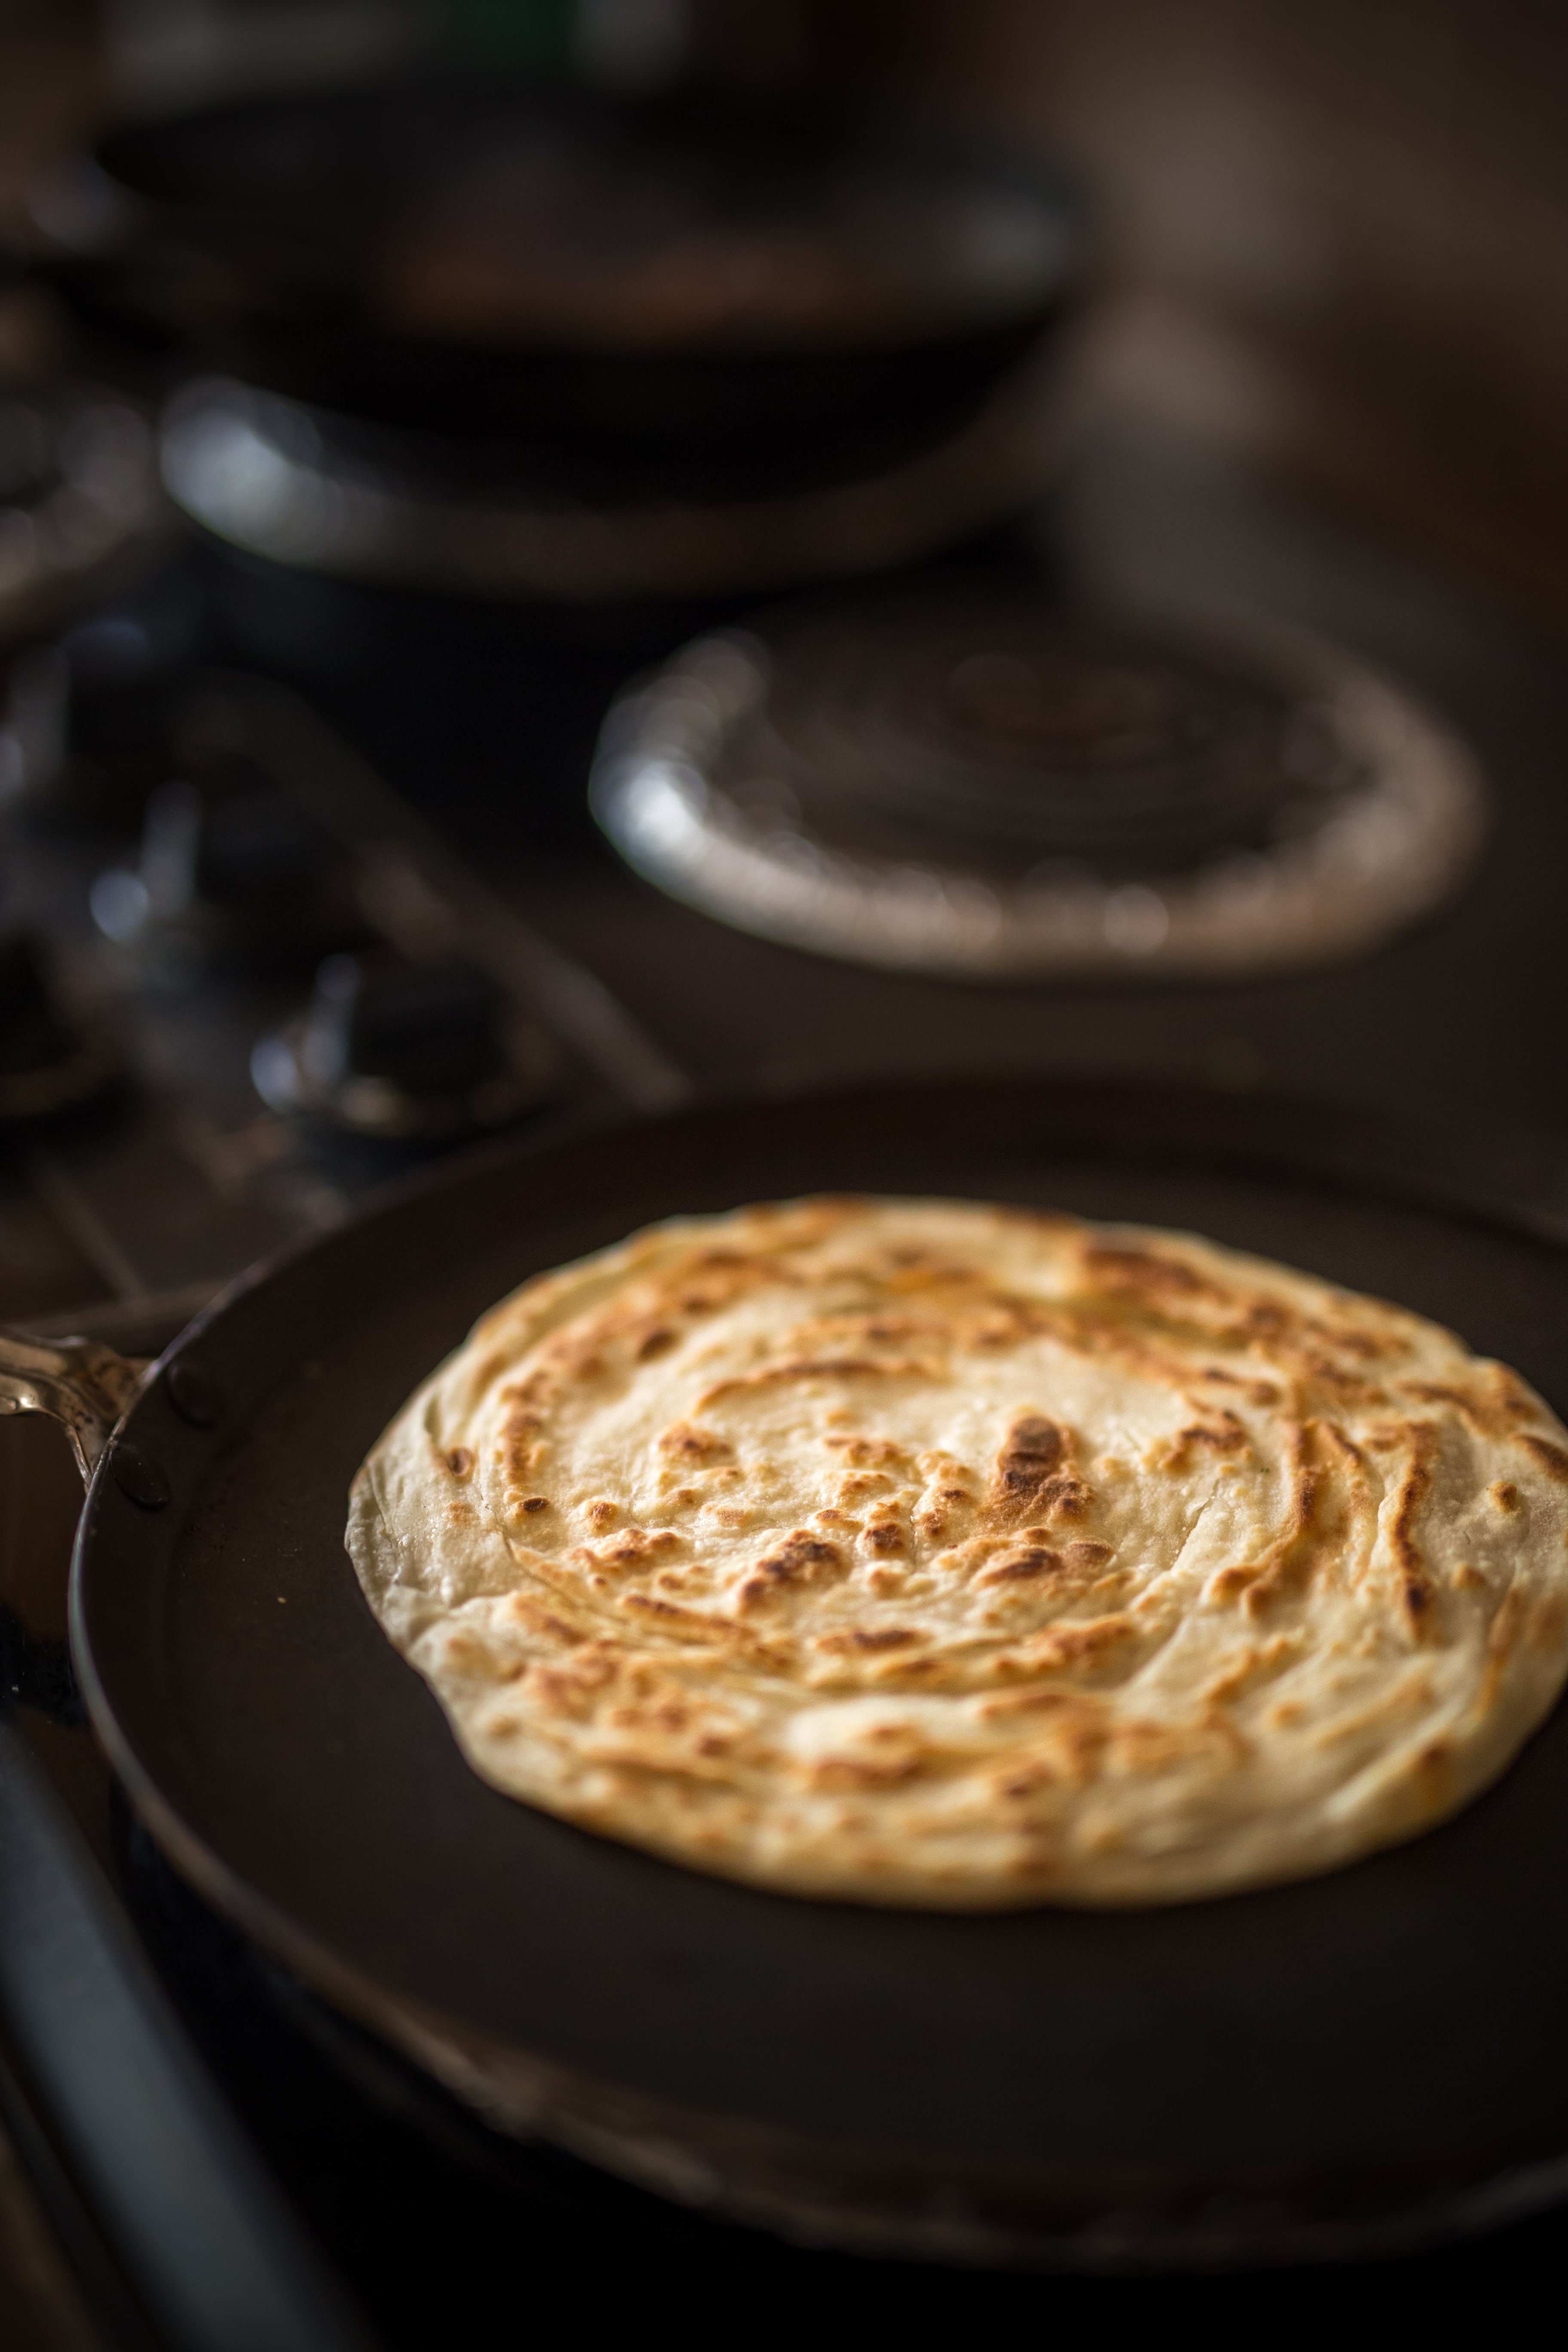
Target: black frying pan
pixel 728 303
pixel 1358 2062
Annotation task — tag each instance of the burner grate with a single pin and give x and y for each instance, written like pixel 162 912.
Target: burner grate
pixel 1015 739
pixel 976 785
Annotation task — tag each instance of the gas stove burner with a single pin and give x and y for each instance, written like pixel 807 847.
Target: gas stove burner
pixel 980 786
pixel 79 498
pixel 231 872
pixel 51 1060
pixel 406 1052
pixel 321 494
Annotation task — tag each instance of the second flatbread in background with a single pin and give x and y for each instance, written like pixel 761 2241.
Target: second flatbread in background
pixel 927 1553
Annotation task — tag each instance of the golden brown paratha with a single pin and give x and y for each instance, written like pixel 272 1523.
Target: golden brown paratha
pixel 920 1552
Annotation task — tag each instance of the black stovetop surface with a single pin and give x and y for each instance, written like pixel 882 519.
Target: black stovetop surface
pixel 1458 1017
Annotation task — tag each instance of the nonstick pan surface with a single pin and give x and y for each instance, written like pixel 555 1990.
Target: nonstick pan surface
pixel 1361 2060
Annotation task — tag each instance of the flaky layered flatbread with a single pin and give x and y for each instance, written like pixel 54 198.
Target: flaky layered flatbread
pixel 928 1553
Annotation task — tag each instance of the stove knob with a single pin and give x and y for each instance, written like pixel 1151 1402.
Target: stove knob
pixel 48 1061
pixel 122 675
pixel 239 870
pixel 411 1052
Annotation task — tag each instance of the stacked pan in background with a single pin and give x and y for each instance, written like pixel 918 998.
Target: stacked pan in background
pixel 486 395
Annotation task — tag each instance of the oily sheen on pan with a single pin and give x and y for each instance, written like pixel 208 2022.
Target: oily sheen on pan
pixel 928 1553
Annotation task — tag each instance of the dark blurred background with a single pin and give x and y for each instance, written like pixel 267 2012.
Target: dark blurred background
pixel 1335 236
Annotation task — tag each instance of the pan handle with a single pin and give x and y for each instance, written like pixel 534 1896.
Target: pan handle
pixel 170 2214
pixel 80 1384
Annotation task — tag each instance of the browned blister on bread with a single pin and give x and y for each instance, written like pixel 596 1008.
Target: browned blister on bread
pixel 928 1552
